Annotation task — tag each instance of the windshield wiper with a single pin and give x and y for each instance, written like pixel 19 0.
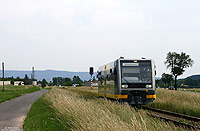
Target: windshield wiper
pixel 125 80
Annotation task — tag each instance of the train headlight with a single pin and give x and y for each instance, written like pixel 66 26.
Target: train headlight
pixel 148 86
pixel 124 86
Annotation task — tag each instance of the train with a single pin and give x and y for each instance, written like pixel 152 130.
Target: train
pixel 128 80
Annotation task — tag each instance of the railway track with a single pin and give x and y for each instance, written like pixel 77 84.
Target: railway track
pixel 189 122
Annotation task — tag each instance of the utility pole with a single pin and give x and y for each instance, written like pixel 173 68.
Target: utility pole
pixel 33 73
pixel 33 76
pixel 3 74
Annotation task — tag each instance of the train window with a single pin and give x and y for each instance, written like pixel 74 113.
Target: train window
pixel 112 75
pixel 115 74
pixel 137 74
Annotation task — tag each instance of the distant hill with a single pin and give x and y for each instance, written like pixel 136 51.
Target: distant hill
pixel 195 77
pixel 47 74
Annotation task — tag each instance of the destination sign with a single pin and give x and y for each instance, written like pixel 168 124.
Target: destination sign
pixel 130 64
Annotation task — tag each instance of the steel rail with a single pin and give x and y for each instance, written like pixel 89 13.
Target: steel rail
pixel 189 126
pixel 191 118
pixel 197 119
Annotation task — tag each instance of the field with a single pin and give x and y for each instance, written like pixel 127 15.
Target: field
pixel 15 91
pixel 191 90
pixel 79 109
pixel 177 101
pixel 43 118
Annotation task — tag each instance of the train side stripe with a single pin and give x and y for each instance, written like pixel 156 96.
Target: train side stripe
pixel 116 96
pixel 101 94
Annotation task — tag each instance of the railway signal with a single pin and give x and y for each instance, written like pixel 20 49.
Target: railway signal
pixel 91 73
pixel 91 70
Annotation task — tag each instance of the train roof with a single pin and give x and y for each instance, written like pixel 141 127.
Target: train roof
pixel 111 64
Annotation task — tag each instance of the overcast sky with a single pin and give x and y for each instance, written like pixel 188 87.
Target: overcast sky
pixel 75 34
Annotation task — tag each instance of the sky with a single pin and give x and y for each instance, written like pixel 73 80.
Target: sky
pixel 72 35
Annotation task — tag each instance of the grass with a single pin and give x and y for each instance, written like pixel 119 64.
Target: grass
pixel 43 118
pixel 177 101
pixel 11 92
pixel 191 90
pixel 79 109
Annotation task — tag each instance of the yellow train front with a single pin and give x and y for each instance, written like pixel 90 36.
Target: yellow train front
pixel 129 80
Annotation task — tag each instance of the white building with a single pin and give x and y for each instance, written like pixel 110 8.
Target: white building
pixel 34 82
pixel 17 83
pixel 5 83
pixel 95 84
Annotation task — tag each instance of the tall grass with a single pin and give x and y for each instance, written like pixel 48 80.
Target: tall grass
pixel 191 89
pixel 177 101
pixel 77 112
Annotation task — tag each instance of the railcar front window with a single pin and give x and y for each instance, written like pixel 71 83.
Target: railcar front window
pixel 137 73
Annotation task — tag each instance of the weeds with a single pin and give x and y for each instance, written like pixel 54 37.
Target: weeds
pixel 82 114
pixel 177 101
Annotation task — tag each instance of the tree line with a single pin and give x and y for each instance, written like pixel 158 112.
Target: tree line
pixel 168 80
pixel 26 80
pixel 56 81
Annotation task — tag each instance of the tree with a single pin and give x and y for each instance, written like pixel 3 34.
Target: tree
pixel 12 82
pixel 167 79
pixel 26 80
pixel 44 83
pixel 77 80
pixel 55 81
pixel 191 82
pixel 50 83
pixel 18 79
pixel 62 81
pixel 58 81
pixel 67 82
pixel 67 79
pixel 177 64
